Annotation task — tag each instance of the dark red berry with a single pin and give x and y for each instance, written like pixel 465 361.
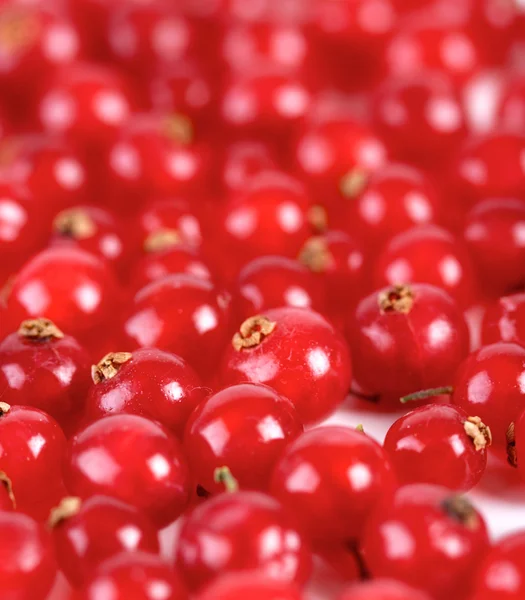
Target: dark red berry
pixel 133 459
pixel 504 321
pixel 239 586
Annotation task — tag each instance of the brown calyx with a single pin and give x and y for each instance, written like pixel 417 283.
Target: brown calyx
pixel 6 482
pixel 317 218
pixel 75 223
pixel 315 255
pixel 68 507
pixel 399 298
pixel 512 455
pixel 179 128
pixel 161 240
pixel 478 432
pixel 18 29
pixel 353 183
pixel 252 332
pixel 461 510
pixel 4 408
pixel 109 366
pixel 40 329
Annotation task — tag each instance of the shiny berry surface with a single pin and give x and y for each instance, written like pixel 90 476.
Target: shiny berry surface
pixel 414 335
pixel 258 425
pixel 295 351
pixel 255 587
pixel 383 589
pixel 229 534
pixel 241 162
pixel 512 106
pixel 438 444
pixel 504 320
pixel 147 382
pixel 106 527
pixel 181 314
pixel 133 459
pixel 441 564
pixel 332 478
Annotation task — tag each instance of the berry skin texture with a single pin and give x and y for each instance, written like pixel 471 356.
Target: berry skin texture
pixel 106 527
pixel 296 352
pixel 438 444
pixel 134 576
pixel 428 254
pixel 332 478
pixel 502 572
pixel 27 562
pixel 43 368
pixel 255 587
pixel 147 382
pixel 229 534
pixel 132 459
pixel 427 538
pixel 36 477
pixel 488 384
pixel 180 314
pixel 244 426
pixel 415 336
pixel 504 321
pixel 383 589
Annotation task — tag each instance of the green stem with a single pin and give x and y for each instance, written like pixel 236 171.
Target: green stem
pixel 424 394
pixel 224 475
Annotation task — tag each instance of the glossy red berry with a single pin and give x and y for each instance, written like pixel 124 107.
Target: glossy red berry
pixel 134 576
pixel 295 351
pixel 27 562
pixel 332 478
pixel 241 162
pixel 184 315
pixel 383 589
pixel 502 572
pixel 133 459
pixel 32 450
pixel 244 426
pixel 70 286
pixel 229 534
pixel 147 382
pixel 439 444
pixel 427 538
pixel 87 533
pixel 256 587
pixel 414 335
pixel 420 119
pixel 504 321
pixel 275 281
pixel 489 384
pixel 495 236
pixel 428 254
pixel 42 367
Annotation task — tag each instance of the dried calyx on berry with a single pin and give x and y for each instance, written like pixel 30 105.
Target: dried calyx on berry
pixel 478 432
pixel 252 332
pixel 353 183
pixel 75 223
pixel 40 329
pixel 109 366
pixel 315 255
pixel 178 128
pixel 68 507
pixel 317 218
pixel 397 299
pixel 461 510
pixel 161 239
pixel 6 482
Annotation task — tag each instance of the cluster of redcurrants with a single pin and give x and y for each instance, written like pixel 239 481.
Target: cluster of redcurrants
pixel 218 217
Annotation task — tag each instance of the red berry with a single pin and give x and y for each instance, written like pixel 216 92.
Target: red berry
pixel 87 533
pixel 243 161
pixel 428 254
pixel 32 450
pixel 181 314
pixel 332 478
pixel 495 236
pixel 504 321
pixel 415 336
pixel 275 281
pixel 383 589
pixel 27 562
pixel 295 351
pixel 420 119
pixel 44 368
pixel 133 459
pixel 134 576
pixel 73 288
pixel 147 382
pixel 255 587
pixel 426 538
pixel 231 533
pixel 244 426
pixel 439 444
pixel 490 384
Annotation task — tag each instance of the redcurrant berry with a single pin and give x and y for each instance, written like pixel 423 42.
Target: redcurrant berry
pixel 504 321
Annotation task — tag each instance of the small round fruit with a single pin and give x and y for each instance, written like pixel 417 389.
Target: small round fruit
pixel 504 321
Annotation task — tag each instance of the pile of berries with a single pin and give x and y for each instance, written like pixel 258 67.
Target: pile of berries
pixel 221 221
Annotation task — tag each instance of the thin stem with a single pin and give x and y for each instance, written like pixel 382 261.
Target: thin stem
pixel 424 394
pixel 224 475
